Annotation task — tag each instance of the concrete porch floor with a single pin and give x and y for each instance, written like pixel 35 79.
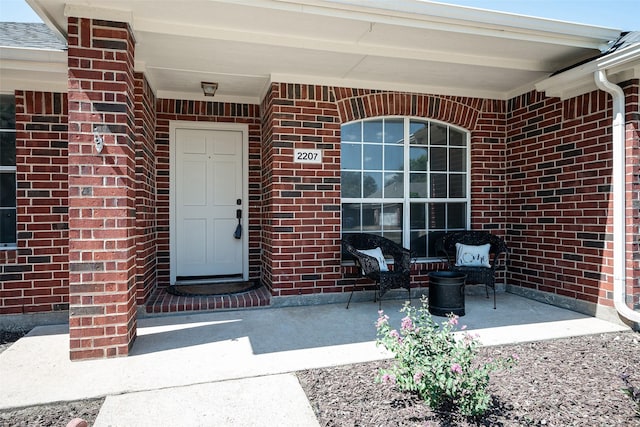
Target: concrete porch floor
pixel 199 354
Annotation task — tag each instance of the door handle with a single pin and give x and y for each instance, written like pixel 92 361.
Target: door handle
pixel 238 233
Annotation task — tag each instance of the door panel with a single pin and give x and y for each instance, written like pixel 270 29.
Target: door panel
pixel 195 232
pixel 226 194
pixel 208 184
pixel 195 189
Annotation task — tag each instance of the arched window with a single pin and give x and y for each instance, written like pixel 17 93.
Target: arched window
pixel 406 179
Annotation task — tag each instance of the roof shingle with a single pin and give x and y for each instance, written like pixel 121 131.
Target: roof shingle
pixel 29 35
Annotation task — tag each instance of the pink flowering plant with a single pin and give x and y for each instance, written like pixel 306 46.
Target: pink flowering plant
pixel 437 364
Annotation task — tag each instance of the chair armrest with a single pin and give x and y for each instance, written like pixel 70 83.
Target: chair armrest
pixel 441 251
pixel 402 260
pixel 500 261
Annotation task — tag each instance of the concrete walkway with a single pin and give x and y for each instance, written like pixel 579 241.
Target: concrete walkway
pixel 236 367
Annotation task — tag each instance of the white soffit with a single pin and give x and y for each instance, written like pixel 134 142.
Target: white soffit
pixel 620 65
pixel 408 44
pixel 32 69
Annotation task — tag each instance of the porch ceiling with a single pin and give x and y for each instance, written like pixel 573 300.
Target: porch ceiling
pixel 405 45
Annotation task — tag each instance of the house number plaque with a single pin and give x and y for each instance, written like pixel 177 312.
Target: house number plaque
pixel 307 156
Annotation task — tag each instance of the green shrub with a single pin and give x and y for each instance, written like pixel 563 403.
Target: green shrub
pixel 436 363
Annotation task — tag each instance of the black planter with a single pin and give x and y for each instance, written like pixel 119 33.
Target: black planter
pixel 446 293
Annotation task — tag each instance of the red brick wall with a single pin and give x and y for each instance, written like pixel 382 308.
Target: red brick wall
pixel 632 93
pixel 35 278
pixel 267 108
pixel 302 202
pixel 102 196
pixel 559 164
pixel 301 215
pixel 541 172
pixel 200 111
pixel 146 251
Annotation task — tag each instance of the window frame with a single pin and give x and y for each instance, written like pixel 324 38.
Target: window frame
pixel 4 169
pixel 406 200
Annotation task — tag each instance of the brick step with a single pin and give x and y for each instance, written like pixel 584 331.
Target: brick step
pixel 163 302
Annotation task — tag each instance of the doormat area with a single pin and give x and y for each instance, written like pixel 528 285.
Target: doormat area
pixel 212 289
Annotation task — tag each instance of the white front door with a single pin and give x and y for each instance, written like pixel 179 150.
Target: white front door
pixel 208 196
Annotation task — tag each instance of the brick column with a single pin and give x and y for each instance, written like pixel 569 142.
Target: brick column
pixel 102 214
pixel 146 220
pixel 632 96
pixel 301 214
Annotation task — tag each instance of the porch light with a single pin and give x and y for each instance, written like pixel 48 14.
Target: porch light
pixel 209 89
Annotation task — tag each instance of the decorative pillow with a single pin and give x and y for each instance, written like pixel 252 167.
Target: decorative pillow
pixel 377 254
pixel 472 256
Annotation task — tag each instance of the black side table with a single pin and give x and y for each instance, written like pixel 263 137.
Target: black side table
pixel 446 293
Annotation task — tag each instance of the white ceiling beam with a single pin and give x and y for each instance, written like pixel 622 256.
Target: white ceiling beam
pixel 94 12
pixel 33 54
pixel 354 11
pixel 46 67
pixel 11 80
pixel 209 72
pixel 446 17
pixel 532 45
pixel 346 47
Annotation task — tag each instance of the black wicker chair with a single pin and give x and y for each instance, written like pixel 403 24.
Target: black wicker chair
pixel 498 253
pixel 398 275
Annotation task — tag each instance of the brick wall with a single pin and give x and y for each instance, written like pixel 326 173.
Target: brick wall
pixel 102 196
pixel 540 170
pixel 145 113
pixel 301 215
pixel 34 278
pixel 268 108
pixel 632 93
pixel 215 112
pixel 301 234
pixel 559 164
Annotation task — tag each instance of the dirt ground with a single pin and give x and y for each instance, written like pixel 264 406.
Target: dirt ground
pixel 55 414
pixel 566 382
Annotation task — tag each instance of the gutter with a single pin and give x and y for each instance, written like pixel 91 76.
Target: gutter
pixel 619 196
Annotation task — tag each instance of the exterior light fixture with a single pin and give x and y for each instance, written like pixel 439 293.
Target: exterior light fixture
pixel 209 89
